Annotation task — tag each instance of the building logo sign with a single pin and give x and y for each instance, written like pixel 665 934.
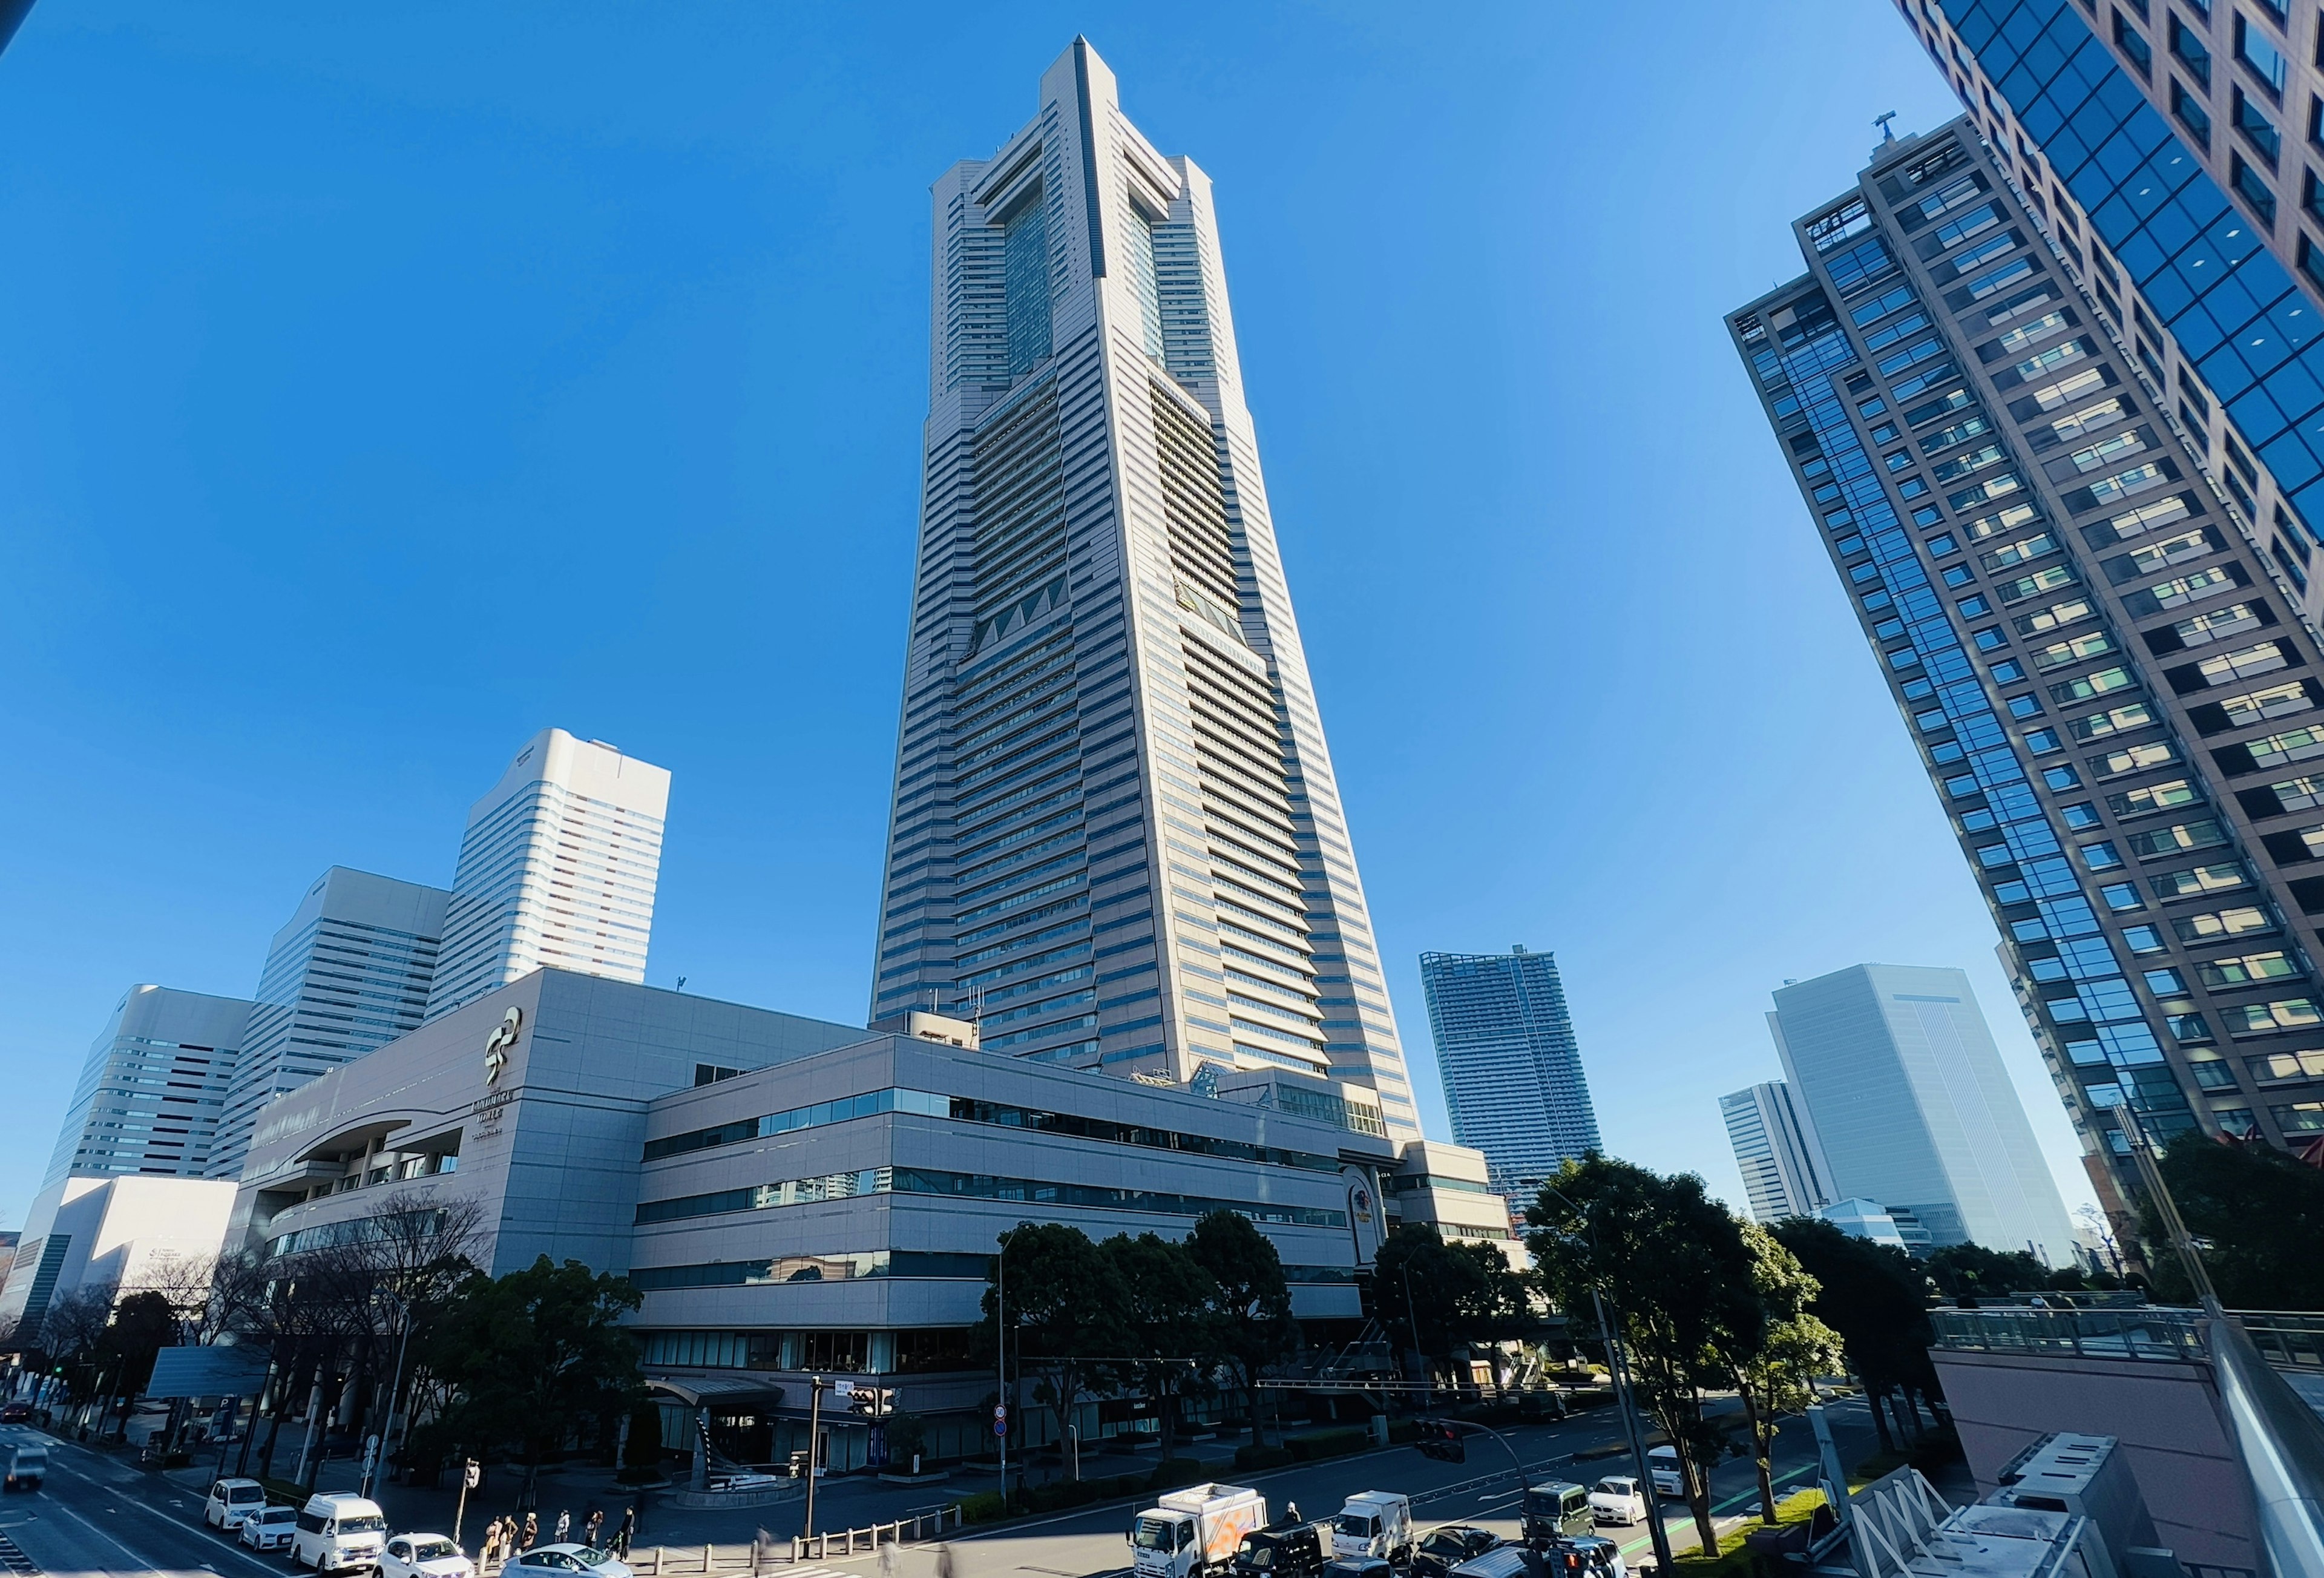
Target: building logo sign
pixel 498 1045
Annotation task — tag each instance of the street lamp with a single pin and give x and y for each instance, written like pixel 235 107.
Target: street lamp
pixel 1618 1369
pixel 402 1345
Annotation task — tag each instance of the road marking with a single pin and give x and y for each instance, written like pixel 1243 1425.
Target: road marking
pixel 14 1558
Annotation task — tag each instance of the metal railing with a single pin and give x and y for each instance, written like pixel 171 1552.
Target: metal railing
pixel 2288 1340
pixel 670 1561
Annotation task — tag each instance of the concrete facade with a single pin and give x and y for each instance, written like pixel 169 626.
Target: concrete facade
pixel 106 1232
pixel 1784 1170
pixel 153 1086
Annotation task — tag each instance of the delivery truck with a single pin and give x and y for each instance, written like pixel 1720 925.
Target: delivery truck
pixel 1194 1532
pixel 1374 1523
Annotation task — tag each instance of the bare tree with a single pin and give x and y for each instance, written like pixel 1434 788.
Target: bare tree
pixel 75 1323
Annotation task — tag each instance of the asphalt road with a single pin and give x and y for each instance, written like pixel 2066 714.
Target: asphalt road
pixel 96 1515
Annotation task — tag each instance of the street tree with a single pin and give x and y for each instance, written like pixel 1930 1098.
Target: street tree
pixel 1967 1272
pixel 2259 1216
pixel 1068 1312
pixel 1250 1326
pixel 1875 1296
pixel 1778 1377
pixel 1676 1263
pixel 1168 1296
pixel 535 1355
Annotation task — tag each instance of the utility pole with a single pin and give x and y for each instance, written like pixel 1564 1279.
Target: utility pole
pixel 402 1346
pixel 814 1385
pixel 469 1475
pixel 1000 1381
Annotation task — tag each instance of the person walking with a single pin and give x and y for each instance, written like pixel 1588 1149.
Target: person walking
pixel 564 1524
pixel 589 1530
pixel 531 1530
pixel 944 1560
pixel 625 1533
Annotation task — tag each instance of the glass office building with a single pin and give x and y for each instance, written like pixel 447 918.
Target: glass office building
pixel 2106 667
pixel 1512 1072
pixel 1784 1173
pixel 1116 838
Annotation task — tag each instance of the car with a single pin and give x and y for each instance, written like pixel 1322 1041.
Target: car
pixel 567 1558
pixel 1587 1555
pixel 1359 1568
pixel 424 1556
pixel 1444 1548
pixel 1617 1499
pixel 1662 1463
pixel 1285 1550
pixel 232 1500
pixel 269 1528
pixel 335 1533
pixel 15 1413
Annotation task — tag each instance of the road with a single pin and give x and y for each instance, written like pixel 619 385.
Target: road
pixel 99 1516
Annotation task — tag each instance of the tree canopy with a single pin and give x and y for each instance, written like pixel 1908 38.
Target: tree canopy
pixel 1250 1326
pixel 2260 1214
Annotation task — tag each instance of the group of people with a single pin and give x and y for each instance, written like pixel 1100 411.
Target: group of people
pixel 507 1536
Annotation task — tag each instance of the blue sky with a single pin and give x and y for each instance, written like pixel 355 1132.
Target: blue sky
pixel 379 385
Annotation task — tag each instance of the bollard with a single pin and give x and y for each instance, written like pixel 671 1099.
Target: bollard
pixel 706 1558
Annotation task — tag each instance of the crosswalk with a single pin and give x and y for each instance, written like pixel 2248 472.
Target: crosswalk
pixel 13 1557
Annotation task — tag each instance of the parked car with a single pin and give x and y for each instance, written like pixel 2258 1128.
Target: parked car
pixel 1618 1499
pixel 1441 1550
pixel 424 1556
pixel 269 1528
pixel 15 1413
pixel 567 1558
pixel 335 1533
pixel 232 1500
pixel 1292 1550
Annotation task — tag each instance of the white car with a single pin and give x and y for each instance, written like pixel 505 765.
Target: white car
pixel 543 1561
pixel 1616 1499
pixel 269 1528
pixel 424 1556
pixel 232 1500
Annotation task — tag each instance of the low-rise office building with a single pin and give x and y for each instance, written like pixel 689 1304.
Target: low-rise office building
pixel 797 1196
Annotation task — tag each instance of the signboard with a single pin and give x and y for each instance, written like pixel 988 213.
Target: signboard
pixel 876 1454
pixel 212 1372
pixel 1001 1419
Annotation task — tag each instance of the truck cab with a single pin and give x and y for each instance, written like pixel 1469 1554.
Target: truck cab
pixel 1374 1523
pixel 1194 1532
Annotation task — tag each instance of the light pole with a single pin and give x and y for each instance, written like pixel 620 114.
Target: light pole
pixel 402 1346
pixel 1001 1380
pixel 1618 1371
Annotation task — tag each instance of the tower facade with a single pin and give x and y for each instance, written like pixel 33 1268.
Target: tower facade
pixel 2100 655
pixel 558 867
pixel 1116 837
pixel 1910 1106
pixel 1512 1073
pixel 349 972
pixel 153 1087
pixel 1784 1172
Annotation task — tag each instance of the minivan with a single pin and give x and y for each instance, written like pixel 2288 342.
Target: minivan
pixel 335 1533
pixel 1662 1463
pixel 1555 1508
pixel 24 1463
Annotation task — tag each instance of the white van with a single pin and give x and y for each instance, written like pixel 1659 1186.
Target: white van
pixel 1662 1463
pixel 335 1533
pixel 232 1500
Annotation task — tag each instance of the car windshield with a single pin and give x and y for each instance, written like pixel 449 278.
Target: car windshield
pixel 363 1522
pixel 1153 1535
pixel 1257 1555
pixel 1443 1543
pixel 1617 1487
pixel 430 1550
pixel 246 1493
pixel 1357 1523
pixel 587 1557
pixel 278 1515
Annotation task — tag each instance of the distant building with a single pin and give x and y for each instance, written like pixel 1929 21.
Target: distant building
pixel 153 1086
pixel 107 1234
pixel 1513 1079
pixel 1783 1174
pixel 350 972
pixel 558 868
pixel 1868 1219
pixel 1909 1100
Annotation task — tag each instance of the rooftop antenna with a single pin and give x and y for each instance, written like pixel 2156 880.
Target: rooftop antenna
pixel 681 982
pixel 1887 131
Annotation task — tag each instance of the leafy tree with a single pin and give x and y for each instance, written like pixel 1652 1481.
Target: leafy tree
pixel 1068 1311
pixel 1875 1297
pixel 1250 1326
pixel 1436 1297
pixel 534 1354
pixel 1167 1298
pixel 1676 1263
pixel 1779 1376
pixel 2260 1215
pixel 1972 1271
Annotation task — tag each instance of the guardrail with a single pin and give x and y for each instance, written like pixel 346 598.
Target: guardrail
pixel 2289 1340
pixel 658 1560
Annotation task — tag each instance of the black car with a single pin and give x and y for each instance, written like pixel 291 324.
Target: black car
pixel 1292 1550
pixel 1444 1549
pixel 1359 1568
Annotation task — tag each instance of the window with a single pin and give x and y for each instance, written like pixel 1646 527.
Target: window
pixel 2098 726
pixel 2264 60
pixel 2311 194
pixel 1974 607
pixel 2191 112
pixel 2081 814
pixel 2251 189
pixel 2120 895
pixel 2184 838
pixel 2148 799
pixel 2218 878
pixel 2261 1019
pixel 2311 265
pixel 2101 857
pixel 2277 1066
pixel 1941 546
pixel 2264 658
pixel 2219 923
pixel 2058 654
pixel 2257 129
pixel 2061 777
pixel 2134 46
pixel 2008 671
pixel 2024 706
pixel 2165 984
pixel 1959 575
pixel 2188 48
pixel 2247 970
pixel 2143 939
pixel 2042 742
pixel 1987 639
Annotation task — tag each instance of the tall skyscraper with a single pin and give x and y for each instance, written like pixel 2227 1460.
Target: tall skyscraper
pixel 349 972
pixel 1783 1171
pixel 1907 1099
pixel 152 1090
pixel 558 867
pixel 2108 678
pixel 1513 1080
pixel 1116 835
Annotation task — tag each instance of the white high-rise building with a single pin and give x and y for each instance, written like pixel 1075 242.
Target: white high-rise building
pixel 1784 1173
pixel 350 972
pixel 153 1086
pixel 1906 1095
pixel 1117 839
pixel 558 867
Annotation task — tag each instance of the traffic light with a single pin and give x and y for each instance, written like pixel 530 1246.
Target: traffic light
pixel 877 1401
pixel 1441 1439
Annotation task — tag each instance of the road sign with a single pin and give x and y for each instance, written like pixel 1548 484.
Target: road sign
pixel 876 1453
pixel 1001 1419
pixel 842 1389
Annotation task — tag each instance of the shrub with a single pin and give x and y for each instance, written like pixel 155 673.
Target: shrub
pixel 1318 1444
pixel 1403 1432
pixel 1734 1558
pixel 1172 1472
pixel 1252 1456
pixel 984 1507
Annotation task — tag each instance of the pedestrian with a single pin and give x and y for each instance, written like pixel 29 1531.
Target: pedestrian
pixel 589 1530
pixel 564 1524
pixel 531 1530
pixel 1291 1510
pixel 495 1543
pixel 944 1560
pixel 763 1550
pixel 625 1533
pixel 886 1555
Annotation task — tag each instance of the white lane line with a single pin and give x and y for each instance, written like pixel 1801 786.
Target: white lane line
pixel 142 1562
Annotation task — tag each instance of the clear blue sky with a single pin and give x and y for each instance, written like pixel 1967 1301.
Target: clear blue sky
pixel 378 385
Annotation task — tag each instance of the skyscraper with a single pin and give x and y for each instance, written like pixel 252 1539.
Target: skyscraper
pixel 1513 1080
pixel 1116 835
pixel 558 867
pixel 1910 1106
pixel 2105 673
pixel 1784 1172
pixel 349 972
pixel 153 1086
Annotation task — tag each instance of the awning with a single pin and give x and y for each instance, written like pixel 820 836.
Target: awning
pixel 698 1391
